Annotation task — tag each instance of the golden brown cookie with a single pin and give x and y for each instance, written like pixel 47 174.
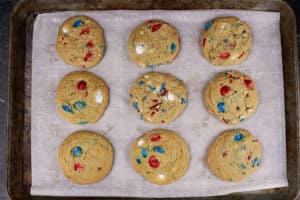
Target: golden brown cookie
pixel 80 42
pixel 85 157
pixel 226 41
pixel 158 97
pixel 161 156
pixel 153 43
pixel 82 97
pixel 231 96
pixel 234 155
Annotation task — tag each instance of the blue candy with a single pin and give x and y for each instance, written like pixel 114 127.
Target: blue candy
pixel 208 26
pixel 162 87
pixel 77 151
pixel 79 105
pixel 144 152
pixel 221 107
pixel 183 100
pixel 136 106
pixel 138 160
pixel 151 88
pixel 158 149
pixel 77 23
pixel 67 108
pixel 255 162
pixel 238 137
pixel 151 67
pixel 144 98
pixel 173 47
pixel 243 166
pixel 141 83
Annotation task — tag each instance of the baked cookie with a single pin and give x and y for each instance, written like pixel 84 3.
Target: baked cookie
pixel 82 97
pixel 226 41
pixel 234 155
pixel 158 97
pixel 161 156
pixel 85 157
pixel 231 96
pixel 80 42
pixel 153 43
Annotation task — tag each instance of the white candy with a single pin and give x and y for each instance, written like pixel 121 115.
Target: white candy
pixel 140 49
pixel 170 96
pixel 140 142
pixel 161 176
pixel 65 30
pixel 98 97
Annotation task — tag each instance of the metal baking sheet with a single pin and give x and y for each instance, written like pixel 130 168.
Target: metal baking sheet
pixel 18 130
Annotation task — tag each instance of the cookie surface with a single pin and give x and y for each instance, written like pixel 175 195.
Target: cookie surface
pixel 226 41
pixel 85 157
pixel 158 97
pixel 80 42
pixel 161 156
pixel 82 97
pixel 153 42
pixel 231 96
pixel 234 155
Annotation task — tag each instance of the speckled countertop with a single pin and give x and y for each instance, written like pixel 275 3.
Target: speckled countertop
pixel 5 8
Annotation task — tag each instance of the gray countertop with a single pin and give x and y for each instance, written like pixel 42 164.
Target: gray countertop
pixel 5 8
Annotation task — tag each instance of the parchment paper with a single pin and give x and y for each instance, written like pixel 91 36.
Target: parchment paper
pixel 121 125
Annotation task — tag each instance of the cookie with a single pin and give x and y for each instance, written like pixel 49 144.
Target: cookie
pixel 158 97
pixel 80 42
pixel 153 43
pixel 85 157
pixel 234 155
pixel 226 41
pixel 231 96
pixel 82 97
pixel 161 156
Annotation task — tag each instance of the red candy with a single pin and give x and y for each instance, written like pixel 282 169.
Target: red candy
pixel 85 31
pixel 203 42
pixel 249 157
pixel 248 83
pixel 88 56
pixel 155 106
pixel 224 90
pixel 156 27
pixel 224 120
pixel 153 162
pixel 224 55
pixel 241 54
pixel 89 44
pixel 155 138
pixel 81 85
pixel 164 92
pixel 78 167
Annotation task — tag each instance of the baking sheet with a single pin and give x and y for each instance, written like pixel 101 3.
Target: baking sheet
pixel 121 125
